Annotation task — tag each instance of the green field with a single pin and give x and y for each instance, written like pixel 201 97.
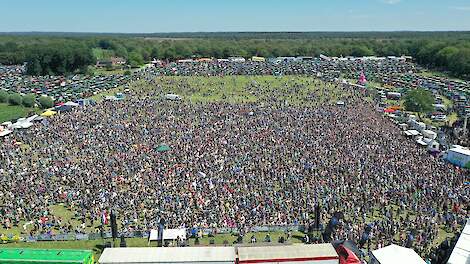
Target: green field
pixel 10 112
pixel 102 54
pixel 104 71
pixel 299 90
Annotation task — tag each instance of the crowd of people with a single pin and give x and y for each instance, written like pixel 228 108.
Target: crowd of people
pixel 267 160
pixel 216 164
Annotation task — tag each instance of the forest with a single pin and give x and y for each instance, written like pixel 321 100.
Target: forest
pixel 65 53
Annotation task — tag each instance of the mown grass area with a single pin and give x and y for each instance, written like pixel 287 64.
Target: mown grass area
pixel 298 90
pixel 100 96
pixel 10 112
pixel 104 71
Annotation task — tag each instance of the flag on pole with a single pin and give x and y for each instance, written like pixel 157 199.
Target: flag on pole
pixel 104 217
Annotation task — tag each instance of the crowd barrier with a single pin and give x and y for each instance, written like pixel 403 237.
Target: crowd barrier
pixel 145 234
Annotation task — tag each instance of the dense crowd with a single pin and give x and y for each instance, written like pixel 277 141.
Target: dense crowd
pixel 332 68
pixel 230 165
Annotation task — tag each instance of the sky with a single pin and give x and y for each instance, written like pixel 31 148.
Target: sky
pixel 153 16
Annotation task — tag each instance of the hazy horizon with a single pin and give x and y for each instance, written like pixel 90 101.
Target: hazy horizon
pixel 178 16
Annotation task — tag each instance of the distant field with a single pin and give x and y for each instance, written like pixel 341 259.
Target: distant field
pixel 102 71
pixel 102 54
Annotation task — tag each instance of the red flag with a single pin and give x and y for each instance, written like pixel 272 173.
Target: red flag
pixel 104 217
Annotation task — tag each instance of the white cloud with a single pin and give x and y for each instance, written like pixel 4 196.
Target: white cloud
pixel 391 2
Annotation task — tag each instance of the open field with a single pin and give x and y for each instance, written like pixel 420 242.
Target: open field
pixel 10 112
pixel 102 54
pixel 104 71
pixel 290 90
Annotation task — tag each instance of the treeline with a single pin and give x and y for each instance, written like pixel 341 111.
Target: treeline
pixel 27 100
pixel 447 51
pixel 50 58
pixel 258 35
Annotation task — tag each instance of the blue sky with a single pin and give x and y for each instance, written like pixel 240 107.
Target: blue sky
pixel 145 16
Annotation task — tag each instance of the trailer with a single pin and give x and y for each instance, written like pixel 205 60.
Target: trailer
pixel 169 255
pixel 292 254
pixel 459 156
pixel 172 97
pixel 52 256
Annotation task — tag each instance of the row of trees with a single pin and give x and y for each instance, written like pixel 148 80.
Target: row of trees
pixel 28 100
pixel 56 59
pixel 58 55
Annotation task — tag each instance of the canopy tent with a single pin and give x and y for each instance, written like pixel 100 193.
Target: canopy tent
pixel 49 113
pixel 394 254
pixel 461 252
pixel 163 148
pixel 168 234
pixel 347 256
pixel 348 251
pixel 4 132
pixel 63 108
pixel 412 132
pixel 71 104
pixel 21 124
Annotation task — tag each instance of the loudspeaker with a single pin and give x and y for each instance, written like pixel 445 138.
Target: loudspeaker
pixel 123 242
pixel 114 231
pixel 332 224
pixel 317 217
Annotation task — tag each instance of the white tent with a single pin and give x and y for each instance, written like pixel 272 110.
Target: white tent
pixel 172 97
pixel 168 234
pixel 22 124
pixel 394 254
pixel 71 104
pixel 461 252
pixel 5 132
pixel 411 132
pixel 167 255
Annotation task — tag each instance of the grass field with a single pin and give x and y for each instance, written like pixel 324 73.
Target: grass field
pixel 248 89
pixel 9 112
pixel 104 71
pixel 102 54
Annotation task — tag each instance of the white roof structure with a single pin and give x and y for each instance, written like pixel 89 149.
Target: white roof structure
pixel 71 104
pixel 188 255
pixel 412 132
pixel 461 252
pixel 318 253
pixel 394 254
pixel 463 151
pixel 5 132
pixel 168 234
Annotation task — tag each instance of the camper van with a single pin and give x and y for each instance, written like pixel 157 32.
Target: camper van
pixel 173 97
